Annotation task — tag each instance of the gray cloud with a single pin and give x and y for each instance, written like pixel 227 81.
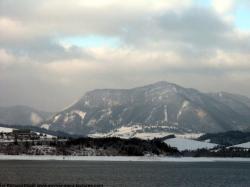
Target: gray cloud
pixel 190 45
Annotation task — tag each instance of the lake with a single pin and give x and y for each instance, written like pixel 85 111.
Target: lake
pixel 108 173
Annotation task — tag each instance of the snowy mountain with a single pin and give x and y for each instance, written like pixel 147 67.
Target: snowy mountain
pixel 161 108
pixel 22 115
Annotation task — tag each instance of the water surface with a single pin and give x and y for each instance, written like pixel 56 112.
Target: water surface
pixel 109 173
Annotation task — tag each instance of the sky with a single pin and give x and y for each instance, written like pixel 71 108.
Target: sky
pixel 53 51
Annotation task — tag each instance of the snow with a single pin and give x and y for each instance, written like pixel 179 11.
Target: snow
pixel 6 130
pixel 42 149
pixel 122 132
pixel 243 145
pixel 6 141
pixel 189 135
pixel 48 136
pixel 137 131
pixel 207 140
pixel 126 132
pixel 186 144
pixel 79 113
pixel 165 113
pixel 70 116
pixel 150 115
pixel 91 122
pixel 66 118
pixel 45 126
pixel 122 158
pixel 105 114
pixel 129 132
pixel 183 107
pixel 150 136
pixel 56 118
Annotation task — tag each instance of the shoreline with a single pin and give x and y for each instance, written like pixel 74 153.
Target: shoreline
pixel 121 158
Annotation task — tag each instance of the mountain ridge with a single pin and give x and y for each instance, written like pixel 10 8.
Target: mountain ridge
pixel 161 107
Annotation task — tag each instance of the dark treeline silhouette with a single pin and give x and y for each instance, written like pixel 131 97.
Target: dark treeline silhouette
pixel 227 138
pixel 218 152
pixel 112 147
pixel 129 147
pixel 91 147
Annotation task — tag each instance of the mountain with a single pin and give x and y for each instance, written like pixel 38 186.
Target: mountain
pixel 22 115
pixel 157 109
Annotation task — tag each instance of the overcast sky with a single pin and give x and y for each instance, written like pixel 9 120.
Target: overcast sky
pixel 53 51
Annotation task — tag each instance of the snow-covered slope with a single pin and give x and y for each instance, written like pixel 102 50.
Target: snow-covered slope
pixel 8 130
pixel 162 107
pixel 5 129
pixel 187 144
pixel 243 145
pixel 143 132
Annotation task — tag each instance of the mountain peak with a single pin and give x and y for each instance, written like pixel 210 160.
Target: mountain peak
pixel 161 107
pixel 163 83
pixel 162 86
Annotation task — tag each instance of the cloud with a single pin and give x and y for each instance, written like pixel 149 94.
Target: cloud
pixel 224 6
pixel 5 57
pixel 51 52
pixel 197 27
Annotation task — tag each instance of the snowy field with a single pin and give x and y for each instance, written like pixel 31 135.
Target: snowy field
pixel 243 145
pixel 6 130
pixel 137 131
pixel 123 158
pixel 9 130
pixel 186 144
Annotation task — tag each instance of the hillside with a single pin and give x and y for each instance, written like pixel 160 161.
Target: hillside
pixel 226 138
pixel 162 107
